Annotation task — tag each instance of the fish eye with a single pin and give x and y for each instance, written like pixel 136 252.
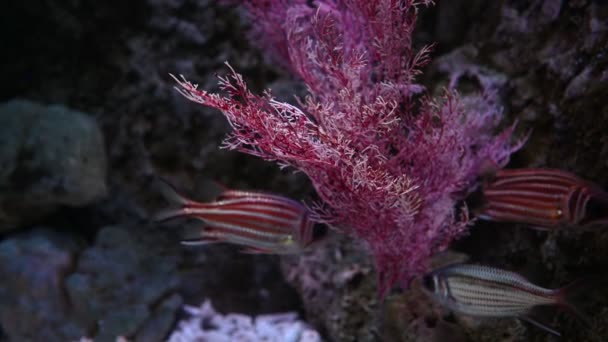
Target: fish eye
pixel 428 281
pixel 288 240
pixel 319 231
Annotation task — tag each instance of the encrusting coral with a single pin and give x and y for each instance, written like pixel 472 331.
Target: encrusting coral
pixel 206 324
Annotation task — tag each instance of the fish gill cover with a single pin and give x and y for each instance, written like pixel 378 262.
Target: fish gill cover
pixel 388 162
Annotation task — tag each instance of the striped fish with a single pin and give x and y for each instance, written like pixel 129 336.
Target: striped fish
pixel 544 198
pixel 261 222
pixel 489 292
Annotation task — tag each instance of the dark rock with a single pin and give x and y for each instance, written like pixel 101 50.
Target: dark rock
pixel 159 324
pixel 413 316
pixel 55 289
pixel 122 283
pixel 50 156
pixel 34 303
pixel 337 284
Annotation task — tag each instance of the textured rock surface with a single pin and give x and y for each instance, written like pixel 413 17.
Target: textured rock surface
pixel 123 283
pixel 50 156
pixel 336 281
pixel 121 286
pixel 35 305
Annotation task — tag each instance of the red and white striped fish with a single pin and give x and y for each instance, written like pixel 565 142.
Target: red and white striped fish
pixel 261 222
pixel 544 198
pixel 489 292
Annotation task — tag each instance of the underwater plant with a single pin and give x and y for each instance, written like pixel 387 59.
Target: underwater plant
pixel 389 163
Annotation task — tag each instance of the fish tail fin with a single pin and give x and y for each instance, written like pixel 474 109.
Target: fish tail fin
pixel 488 168
pixel 166 215
pixel 170 193
pixel 570 297
pixel 179 202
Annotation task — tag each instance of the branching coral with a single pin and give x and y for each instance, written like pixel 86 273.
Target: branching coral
pixel 388 163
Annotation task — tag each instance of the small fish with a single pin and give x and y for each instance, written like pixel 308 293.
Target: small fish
pixel 544 198
pixel 263 223
pixel 489 292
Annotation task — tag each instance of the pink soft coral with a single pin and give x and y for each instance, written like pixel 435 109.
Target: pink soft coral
pixel 389 168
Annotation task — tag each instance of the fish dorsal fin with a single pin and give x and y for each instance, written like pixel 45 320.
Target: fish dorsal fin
pixel 540 325
pixel 484 272
pixel 211 190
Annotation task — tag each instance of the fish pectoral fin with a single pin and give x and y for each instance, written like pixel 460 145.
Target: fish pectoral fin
pixel 254 250
pixel 540 325
pixel 199 242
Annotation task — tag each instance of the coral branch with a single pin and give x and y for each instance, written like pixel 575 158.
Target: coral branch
pixel 388 165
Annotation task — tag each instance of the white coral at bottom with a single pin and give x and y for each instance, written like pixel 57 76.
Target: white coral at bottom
pixel 207 325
